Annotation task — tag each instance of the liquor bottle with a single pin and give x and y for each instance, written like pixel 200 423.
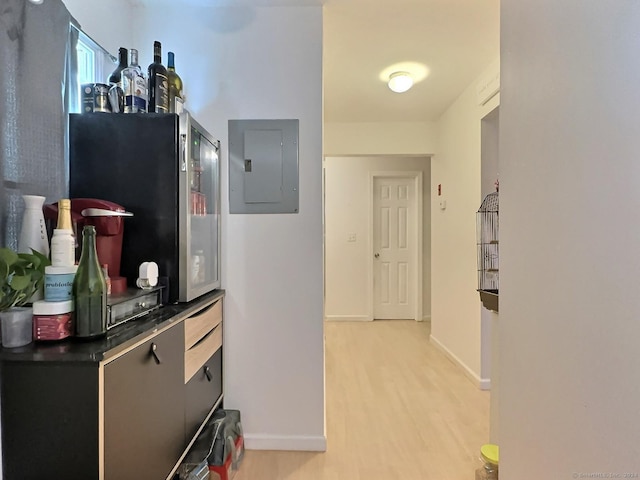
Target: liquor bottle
pixel 63 242
pixel 116 77
pixel 134 86
pixel 175 83
pixel 116 94
pixel 90 290
pixel 158 83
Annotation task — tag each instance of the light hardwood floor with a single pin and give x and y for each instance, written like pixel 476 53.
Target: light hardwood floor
pixel 397 408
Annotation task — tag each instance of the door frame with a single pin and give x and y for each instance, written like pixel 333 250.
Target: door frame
pixel 418 217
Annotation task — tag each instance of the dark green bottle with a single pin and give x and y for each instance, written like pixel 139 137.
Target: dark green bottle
pixel 90 290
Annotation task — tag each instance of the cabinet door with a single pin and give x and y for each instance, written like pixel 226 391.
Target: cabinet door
pixel 202 392
pixel 144 409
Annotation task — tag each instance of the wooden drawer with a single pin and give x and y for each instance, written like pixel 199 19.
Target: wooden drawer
pixel 196 356
pixel 202 391
pixel 199 325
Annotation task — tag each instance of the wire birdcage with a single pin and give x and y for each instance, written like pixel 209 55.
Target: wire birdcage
pixel 487 244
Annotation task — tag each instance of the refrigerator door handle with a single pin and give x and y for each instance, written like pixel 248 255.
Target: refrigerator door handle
pixel 183 146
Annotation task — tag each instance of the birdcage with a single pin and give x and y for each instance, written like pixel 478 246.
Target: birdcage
pixel 487 241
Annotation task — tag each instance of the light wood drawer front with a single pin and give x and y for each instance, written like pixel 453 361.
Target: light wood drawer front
pixel 196 327
pixel 196 356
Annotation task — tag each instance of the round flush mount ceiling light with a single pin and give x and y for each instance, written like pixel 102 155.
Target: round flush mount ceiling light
pixel 400 82
pixel 36 2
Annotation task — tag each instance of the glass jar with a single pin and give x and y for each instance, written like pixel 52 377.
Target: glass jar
pixel 487 472
pixel 489 455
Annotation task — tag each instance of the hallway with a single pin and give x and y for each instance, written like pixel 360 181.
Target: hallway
pixel 396 408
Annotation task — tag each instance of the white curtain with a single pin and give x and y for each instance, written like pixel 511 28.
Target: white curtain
pixel 34 45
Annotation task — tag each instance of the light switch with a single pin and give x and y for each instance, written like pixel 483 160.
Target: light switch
pixel 351 237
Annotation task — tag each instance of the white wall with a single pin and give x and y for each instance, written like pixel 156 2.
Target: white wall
pixel 108 23
pixel 570 236
pixel 455 304
pixel 252 63
pixel 381 138
pixel 347 205
pixel 489 339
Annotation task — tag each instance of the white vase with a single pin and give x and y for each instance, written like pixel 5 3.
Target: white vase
pixel 33 234
pixel 16 326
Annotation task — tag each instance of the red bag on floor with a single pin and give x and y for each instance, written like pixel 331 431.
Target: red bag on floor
pixel 228 445
pixel 220 447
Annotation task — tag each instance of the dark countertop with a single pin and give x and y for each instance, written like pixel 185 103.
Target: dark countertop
pixel 118 339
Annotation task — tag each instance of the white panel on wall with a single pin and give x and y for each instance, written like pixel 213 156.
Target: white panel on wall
pixel 263 62
pixel 400 138
pixel 455 315
pixel 569 236
pixel 108 23
pixel 346 211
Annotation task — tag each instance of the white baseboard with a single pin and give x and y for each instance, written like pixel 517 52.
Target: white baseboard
pixel 347 318
pixel 305 443
pixel 481 383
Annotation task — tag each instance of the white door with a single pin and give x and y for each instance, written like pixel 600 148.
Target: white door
pixel 394 247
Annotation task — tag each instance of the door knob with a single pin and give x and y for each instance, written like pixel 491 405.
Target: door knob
pixel 377 255
pixel 156 357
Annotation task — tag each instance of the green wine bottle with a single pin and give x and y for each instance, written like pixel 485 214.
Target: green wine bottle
pixel 90 290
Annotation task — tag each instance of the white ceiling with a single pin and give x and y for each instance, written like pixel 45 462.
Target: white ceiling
pixel 454 40
pixel 451 41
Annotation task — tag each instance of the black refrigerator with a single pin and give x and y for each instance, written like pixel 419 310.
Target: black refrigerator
pixel 165 169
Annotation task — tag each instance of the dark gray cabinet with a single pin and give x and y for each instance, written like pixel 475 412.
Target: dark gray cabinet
pixel 143 409
pixel 205 385
pixel 124 407
pixel 50 425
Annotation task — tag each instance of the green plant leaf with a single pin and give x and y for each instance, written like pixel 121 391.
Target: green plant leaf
pixel 8 256
pixel 20 282
pixel 4 273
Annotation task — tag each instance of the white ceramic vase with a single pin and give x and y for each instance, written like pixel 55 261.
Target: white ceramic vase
pixel 33 234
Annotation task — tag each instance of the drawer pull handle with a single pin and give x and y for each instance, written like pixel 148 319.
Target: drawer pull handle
pixel 154 347
pixel 207 372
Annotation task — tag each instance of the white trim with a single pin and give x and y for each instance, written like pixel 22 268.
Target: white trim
pixel 419 200
pixel 348 318
pixel 304 443
pixel 426 318
pixel 481 383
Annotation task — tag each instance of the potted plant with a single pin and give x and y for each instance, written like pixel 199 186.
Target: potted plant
pixel 21 275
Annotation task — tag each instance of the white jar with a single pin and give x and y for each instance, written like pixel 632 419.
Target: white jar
pixel 58 283
pixel 63 248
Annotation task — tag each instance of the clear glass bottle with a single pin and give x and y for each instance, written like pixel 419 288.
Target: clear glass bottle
pixel 63 243
pixel 90 290
pixel 134 86
pixel 158 83
pixel 175 83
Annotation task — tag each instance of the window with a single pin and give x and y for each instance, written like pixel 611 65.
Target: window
pixel 93 65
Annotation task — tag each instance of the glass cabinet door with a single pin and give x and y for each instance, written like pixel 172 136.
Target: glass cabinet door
pixel 204 183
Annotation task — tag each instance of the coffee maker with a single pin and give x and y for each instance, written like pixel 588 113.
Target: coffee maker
pixel 108 219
